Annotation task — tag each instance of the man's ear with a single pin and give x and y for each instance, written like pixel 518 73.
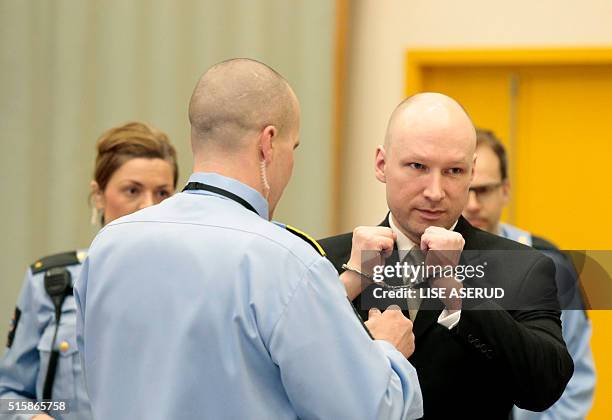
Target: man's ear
pixel 379 164
pixel 473 171
pixel 267 139
pixel 506 191
pixel 97 195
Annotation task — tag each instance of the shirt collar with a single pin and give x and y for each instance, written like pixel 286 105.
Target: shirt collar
pixel 403 242
pixel 251 195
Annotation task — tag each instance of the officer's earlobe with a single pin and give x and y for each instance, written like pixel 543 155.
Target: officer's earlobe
pixel 266 143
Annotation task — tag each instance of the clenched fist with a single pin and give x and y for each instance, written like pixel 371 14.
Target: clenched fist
pixel 447 243
pixel 444 249
pixel 379 241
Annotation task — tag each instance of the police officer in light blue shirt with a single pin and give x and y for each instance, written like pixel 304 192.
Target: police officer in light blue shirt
pixel 40 372
pixel 201 308
pixel 576 401
pixel 38 335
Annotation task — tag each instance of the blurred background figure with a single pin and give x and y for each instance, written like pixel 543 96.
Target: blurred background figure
pixel 136 167
pixel 489 194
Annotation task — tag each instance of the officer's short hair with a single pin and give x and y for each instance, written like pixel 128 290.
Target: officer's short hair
pixel 488 138
pixel 128 141
pixel 237 96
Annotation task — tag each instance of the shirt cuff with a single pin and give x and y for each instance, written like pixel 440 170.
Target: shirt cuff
pixel 449 320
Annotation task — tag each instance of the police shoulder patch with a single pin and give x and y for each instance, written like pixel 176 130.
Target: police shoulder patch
pixel 306 237
pixel 13 327
pixel 57 260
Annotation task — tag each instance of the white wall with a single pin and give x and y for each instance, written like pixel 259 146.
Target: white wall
pixel 382 32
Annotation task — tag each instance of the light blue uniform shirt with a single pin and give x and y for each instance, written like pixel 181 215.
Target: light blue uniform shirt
pixel 23 367
pixel 575 402
pixel 200 308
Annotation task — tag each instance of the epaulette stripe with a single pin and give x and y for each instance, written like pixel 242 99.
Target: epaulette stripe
pixel 307 238
pixel 58 260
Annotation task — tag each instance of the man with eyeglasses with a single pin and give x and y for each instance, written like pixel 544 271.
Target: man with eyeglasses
pixel 489 194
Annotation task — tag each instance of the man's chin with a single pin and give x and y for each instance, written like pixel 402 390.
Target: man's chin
pixel 419 224
pixel 416 225
pixel 443 220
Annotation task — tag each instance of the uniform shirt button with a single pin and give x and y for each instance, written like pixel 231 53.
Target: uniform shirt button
pixel 64 346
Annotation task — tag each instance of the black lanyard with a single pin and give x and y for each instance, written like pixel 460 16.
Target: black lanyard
pixel 194 186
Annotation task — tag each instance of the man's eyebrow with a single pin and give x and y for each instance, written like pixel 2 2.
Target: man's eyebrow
pixel 423 159
pixel 458 162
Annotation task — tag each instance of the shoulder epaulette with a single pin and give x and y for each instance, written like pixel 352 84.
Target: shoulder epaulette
pixel 306 237
pixel 58 260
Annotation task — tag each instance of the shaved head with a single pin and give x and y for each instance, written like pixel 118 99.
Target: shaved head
pixel 237 97
pixel 430 111
pixel 427 162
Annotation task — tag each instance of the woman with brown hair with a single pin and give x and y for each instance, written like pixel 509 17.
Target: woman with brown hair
pixel 135 168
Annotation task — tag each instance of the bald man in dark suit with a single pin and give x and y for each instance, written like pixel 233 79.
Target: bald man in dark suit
pixel 475 357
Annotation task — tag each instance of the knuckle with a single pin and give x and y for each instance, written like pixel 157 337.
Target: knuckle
pixel 359 231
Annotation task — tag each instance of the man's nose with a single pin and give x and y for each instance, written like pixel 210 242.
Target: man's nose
pixel 433 190
pixel 473 205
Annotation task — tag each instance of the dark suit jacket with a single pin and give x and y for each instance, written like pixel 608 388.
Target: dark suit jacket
pixel 494 358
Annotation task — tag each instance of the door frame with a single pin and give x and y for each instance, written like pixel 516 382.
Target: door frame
pixel 417 60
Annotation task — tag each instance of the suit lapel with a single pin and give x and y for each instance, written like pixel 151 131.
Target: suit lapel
pixel 385 222
pixel 428 314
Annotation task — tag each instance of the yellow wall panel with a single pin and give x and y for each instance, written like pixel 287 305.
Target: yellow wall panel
pixel 563 186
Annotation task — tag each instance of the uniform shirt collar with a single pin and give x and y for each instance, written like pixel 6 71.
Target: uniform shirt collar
pixel 251 195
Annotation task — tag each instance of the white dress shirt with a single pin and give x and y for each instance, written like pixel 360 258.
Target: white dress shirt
pixel 404 246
